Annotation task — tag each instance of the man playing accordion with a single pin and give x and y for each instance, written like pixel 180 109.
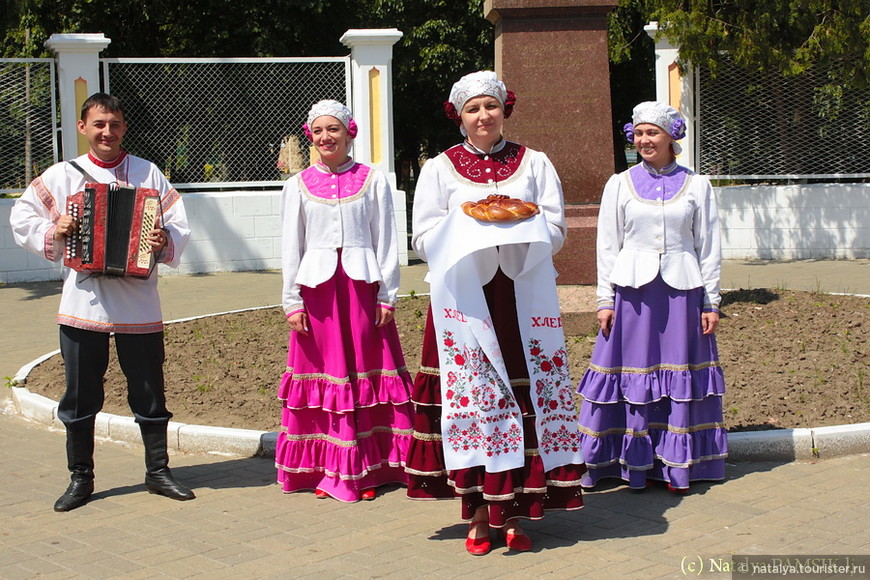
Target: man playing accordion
pixel 93 306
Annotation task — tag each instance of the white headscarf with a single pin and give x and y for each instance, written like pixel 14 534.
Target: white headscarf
pixel 662 115
pixel 331 108
pixel 484 82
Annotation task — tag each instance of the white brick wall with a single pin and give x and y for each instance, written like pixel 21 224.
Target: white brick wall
pixel 231 231
pixel 793 222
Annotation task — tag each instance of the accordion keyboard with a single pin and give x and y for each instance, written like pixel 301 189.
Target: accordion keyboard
pixel 149 217
pixel 79 242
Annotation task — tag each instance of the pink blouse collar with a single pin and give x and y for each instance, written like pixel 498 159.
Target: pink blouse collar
pixel 350 180
pixel 323 168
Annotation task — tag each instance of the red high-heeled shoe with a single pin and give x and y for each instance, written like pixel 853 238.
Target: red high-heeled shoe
pixel 320 494
pixel 678 490
pixel 518 542
pixel 368 494
pixel 478 546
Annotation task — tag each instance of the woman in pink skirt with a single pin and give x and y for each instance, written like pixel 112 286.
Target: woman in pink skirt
pixel 495 420
pixel 346 423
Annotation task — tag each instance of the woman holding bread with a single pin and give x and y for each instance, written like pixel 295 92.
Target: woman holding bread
pixel 652 408
pixel 495 419
pixel 346 422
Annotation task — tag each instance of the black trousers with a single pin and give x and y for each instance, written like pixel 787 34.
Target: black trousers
pixel 86 358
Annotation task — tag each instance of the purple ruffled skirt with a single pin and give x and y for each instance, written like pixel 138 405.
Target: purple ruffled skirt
pixel 652 395
pixel 347 418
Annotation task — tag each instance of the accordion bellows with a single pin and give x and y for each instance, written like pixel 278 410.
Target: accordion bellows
pixel 113 226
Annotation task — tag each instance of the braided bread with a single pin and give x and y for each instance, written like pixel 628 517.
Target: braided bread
pixel 500 208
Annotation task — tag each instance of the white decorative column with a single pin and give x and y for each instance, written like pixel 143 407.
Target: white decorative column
pixel 78 78
pixel 676 90
pixel 372 99
pixel 371 56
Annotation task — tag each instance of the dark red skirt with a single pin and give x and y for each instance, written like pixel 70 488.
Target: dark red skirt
pixel 524 492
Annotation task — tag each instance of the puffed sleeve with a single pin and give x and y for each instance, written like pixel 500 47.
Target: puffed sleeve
pixel 430 205
pixel 551 200
pixel 174 219
pixel 385 239
pixel 33 219
pixel 611 224
pixel 292 244
pixel 708 243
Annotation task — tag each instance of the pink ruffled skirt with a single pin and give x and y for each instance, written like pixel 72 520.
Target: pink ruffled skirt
pixel 346 423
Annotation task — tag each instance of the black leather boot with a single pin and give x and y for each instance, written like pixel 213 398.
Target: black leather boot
pixel 80 462
pixel 158 478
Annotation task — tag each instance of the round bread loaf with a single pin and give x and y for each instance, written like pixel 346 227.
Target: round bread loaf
pixel 500 208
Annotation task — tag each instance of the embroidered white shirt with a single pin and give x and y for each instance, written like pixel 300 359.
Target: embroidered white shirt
pixel 351 210
pixel 100 303
pixel 639 238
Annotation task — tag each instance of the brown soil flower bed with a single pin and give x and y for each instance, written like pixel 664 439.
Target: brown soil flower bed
pixel 791 359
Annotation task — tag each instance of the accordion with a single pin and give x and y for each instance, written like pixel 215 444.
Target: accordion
pixel 113 226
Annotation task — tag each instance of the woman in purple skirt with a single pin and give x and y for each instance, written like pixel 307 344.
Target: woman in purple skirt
pixel 652 395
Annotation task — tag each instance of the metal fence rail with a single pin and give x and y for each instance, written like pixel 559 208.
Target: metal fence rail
pixel 761 127
pixel 223 121
pixel 28 117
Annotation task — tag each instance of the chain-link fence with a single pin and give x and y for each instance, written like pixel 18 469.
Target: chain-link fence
pixel 768 126
pixel 28 117
pixel 223 120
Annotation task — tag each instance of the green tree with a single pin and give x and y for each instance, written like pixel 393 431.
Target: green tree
pixel 442 40
pixel 787 60
pixel 632 69
pixel 214 28
pixel 786 37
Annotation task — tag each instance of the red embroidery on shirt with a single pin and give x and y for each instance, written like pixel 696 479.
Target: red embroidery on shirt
pixel 107 164
pixel 473 166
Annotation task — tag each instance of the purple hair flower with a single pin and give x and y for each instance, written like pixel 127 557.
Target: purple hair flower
pixel 678 130
pixel 628 129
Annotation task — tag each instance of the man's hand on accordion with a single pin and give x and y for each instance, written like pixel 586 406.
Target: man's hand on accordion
pixel 157 240
pixel 66 225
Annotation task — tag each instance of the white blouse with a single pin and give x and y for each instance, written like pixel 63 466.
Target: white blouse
pixel 90 302
pixel 351 210
pixel 463 173
pixel 639 238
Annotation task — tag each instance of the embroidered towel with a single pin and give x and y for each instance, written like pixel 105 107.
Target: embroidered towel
pixel 481 422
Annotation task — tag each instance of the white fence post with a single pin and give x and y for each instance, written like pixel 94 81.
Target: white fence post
pixel 372 81
pixel 78 78
pixel 676 90
pixel 371 55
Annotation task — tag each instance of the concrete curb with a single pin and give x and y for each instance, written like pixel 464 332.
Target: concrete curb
pixel 182 437
pixel 771 445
